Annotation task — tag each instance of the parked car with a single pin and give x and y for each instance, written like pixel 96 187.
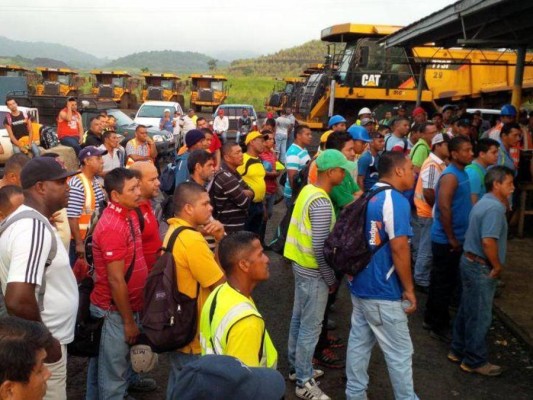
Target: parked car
pixel 234 112
pixel 151 112
pixel 164 141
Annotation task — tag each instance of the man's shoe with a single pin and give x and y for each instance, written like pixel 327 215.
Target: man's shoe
pixel 143 385
pixel 311 391
pixel 335 342
pixel 453 357
pixel 331 325
pixel 327 358
pixel 317 373
pixel 487 369
pixel 442 335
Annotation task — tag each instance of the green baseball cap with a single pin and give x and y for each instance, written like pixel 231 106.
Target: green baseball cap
pixel 332 158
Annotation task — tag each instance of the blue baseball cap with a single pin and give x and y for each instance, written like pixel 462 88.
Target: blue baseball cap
pixel 336 119
pixel 357 132
pixel 214 377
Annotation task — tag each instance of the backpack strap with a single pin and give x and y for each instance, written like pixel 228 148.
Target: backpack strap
pixel 30 214
pixel 140 216
pixel 250 162
pixel 170 246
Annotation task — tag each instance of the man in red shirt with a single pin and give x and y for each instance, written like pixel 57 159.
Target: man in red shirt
pixel 269 159
pixel 120 275
pixel 149 182
pixel 70 126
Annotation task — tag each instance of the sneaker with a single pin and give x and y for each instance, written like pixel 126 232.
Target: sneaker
pixel 442 335
pixel 317 373
pixel 327 358
pixel 487 369
pixel 143 385
pixel 311 391
pixel 335 342
pixel 453 357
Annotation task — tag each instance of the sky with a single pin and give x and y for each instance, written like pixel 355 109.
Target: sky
pixel 114 28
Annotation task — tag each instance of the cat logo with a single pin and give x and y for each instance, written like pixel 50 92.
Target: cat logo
pixel 370 79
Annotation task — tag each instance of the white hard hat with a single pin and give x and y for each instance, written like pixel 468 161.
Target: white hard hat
pixel 364 110
pixel 142 358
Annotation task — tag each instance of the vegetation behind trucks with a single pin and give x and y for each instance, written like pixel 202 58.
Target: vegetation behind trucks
pixel 365 74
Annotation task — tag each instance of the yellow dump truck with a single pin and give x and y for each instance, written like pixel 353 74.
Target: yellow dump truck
pixel 284 94
pixel 12 70
pixel 208 91
pixel 163 87
pixel 58 82
pixel 365 74
pixel 115 85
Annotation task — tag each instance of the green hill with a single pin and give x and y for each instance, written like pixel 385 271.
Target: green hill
pixel 69 55
pixel 166 60
pixel 287 62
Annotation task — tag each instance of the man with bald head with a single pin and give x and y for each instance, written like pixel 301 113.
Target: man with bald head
pixel 149 183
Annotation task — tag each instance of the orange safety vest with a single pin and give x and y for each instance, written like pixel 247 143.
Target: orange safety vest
pixel 423 209
pixel 89 207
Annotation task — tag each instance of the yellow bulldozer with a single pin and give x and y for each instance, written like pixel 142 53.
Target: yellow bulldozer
pixel 365 74
pixel 118 86
pixel 208 91
pixel 163 87
pixel 58 82
pixel 283 94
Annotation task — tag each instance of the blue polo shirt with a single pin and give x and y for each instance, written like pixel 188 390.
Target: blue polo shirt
pixel 367 166
pixel 476 175
pixel 461 206
pixel 388 217
pixel 487 220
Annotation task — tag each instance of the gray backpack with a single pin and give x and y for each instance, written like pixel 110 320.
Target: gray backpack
pixel 29 214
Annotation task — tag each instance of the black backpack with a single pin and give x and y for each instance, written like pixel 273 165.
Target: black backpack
pixel 168 179
pixel 48 137
pixel 170 317
pixel 346 249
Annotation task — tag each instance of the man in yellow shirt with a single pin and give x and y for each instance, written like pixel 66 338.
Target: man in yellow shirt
pixel 253 173
pixel 230 323
pixel 196 269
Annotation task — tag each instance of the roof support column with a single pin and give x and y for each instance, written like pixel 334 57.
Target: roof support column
pixel 516 99
pixel 420 84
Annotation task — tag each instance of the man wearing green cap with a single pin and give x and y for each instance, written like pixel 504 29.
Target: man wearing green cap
pixel 312 220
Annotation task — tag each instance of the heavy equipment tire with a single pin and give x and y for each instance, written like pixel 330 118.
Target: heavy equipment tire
pixel 125 102
pixel 181 100
pixel 133 101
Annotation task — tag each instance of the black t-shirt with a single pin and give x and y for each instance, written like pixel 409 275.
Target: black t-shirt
pixel 18 125
pixel 93 140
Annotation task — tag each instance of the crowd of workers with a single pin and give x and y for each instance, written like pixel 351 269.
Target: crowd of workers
pixel 439 192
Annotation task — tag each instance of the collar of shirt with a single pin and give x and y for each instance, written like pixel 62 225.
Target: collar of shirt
pixel 178 221
pixel 489 196
pixel 436 158
pixel 118 209
pixel 480 166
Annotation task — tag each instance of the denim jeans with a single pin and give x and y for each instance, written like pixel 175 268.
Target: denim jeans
pixel 473 319
pixel 443 285
pixel 108 374
pixel 270 199
pixel 33 148
pixel 177 361
pixel 225 137
pixel 281 147
pixel 255 218
pixel 72 141
pixel 384 322
pixel 424 257
pixel 310 298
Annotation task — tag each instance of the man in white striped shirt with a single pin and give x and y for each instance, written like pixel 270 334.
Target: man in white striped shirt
pixel 27 262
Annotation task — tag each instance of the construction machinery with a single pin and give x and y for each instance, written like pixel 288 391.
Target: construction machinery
pixel 208 91
pixel 58 82
pixel 283 94
pixel 163 87
pixel 12 70
pixel 117 86
pixel 365 74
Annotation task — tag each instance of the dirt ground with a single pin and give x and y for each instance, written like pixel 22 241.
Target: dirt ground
pixel 434 376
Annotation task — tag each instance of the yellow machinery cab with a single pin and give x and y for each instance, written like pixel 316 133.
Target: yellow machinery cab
pixel 284 94
pixel 115 85
pixel 163 87
pixel 208 91
pixel 58 82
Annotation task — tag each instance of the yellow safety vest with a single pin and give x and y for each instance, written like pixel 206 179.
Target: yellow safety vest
pixel 89 206
pixel 224 308
pixel 299 244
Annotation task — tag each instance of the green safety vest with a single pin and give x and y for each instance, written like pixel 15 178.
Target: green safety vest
pixel 224 308
pixel 299 244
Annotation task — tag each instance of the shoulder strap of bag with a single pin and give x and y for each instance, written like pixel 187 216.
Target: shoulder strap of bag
pixel 250 162
pixel 29 214
pixel 170 246
pixel 129 272
pixel 140 216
